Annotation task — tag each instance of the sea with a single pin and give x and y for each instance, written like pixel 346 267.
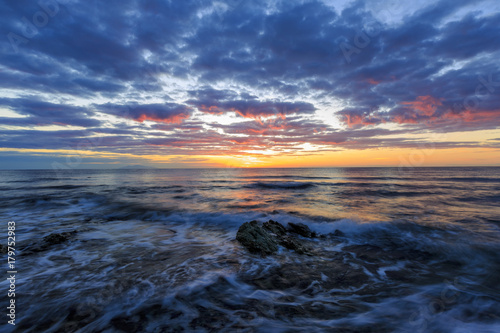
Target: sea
pixel 396 250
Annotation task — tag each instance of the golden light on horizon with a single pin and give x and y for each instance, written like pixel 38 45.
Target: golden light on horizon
pixel 388 157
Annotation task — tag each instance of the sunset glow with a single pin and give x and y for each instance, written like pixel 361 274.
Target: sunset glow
pixel 304 84
pixel 250 165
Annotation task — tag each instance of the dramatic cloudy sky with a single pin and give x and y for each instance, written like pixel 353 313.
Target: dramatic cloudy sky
pixel 249 83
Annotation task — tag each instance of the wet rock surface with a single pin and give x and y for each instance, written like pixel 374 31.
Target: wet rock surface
pixel 265 238
pixel 320 276
pixel 275 228
pixel 348 266
pixel 47 242
pixel 338 233
pixel 256 239
pixel 301 229
pixel 339 277
pixel 55 238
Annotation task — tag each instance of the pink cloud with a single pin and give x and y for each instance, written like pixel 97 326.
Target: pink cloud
pixel 424 105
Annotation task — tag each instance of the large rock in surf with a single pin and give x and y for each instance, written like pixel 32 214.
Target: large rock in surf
pixel 264 239
pixel 256 239
pixel 338 233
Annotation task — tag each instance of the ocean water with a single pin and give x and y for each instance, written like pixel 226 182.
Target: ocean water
pixel 155 250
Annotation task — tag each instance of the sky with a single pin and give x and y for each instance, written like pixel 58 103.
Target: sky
pixel 243 83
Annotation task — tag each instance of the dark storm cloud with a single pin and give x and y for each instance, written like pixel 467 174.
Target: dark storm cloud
pixel 103 41
pixel 255 109
pixel 165 113
pixel 429 72
pixel 299 44
pixel 45 113
pixel 215 101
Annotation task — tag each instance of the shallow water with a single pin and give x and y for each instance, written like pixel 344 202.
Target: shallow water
pixel 155 250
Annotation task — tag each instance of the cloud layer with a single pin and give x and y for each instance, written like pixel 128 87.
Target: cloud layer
pixel 246 77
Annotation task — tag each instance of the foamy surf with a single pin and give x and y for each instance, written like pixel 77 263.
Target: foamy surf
pixel 137 258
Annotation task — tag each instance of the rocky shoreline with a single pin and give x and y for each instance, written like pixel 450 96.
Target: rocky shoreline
pixel 266 238
pixel 285 275
pixel 353 265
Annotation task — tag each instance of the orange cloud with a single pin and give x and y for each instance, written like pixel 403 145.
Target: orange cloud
pixel 477 116
pixel 372 81
pixel 427 105
pixel 261 117
pixel 174 119
pixel 211 109
pixel 352 119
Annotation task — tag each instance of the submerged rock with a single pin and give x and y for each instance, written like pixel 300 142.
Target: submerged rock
pixel 56 238
pixel 311 277
pixel 376 254
pixel 48 241
pixel 210 319
pixel 256 239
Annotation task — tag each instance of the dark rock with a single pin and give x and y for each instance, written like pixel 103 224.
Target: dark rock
pixel 126 324
pixel 244 315
pixel 211 319
pixel 301 276
pixel 256 239
pixel 366 252
pixel 293 244
pixel 264 239
pixel 261 308
pixel 301 229
pixel 275 227
pixel 402 275
pixel 283 311
pixel 47 241
pixel 375 254
pixel 55 238
pixel 3 249
pixel 338 233
pixel 81 315
pixel 414 255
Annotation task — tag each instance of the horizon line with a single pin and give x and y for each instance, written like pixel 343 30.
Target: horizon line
pixel 221 168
